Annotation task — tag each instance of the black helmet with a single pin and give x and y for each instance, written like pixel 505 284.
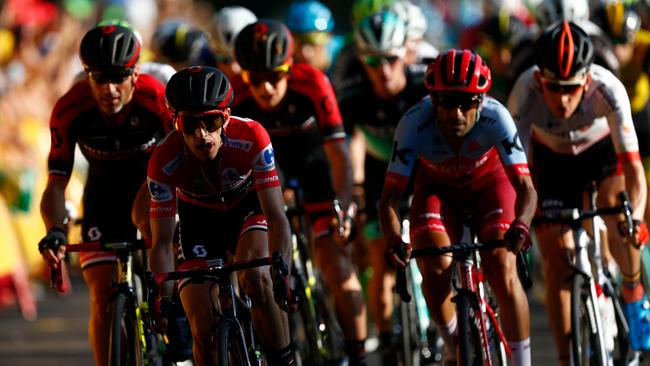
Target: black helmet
pixel 564 50
pixel 263 46
pixel 198 89
pixel 110 48
pixel 178 41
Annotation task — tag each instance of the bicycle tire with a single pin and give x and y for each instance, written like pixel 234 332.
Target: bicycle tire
pixel 407 354
pixel 232 345
pixel 333 344
pixel 125 348
pixel 469 344
pixel 585 342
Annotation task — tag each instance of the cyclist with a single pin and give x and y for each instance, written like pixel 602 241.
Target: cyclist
pixel 311 23
pixel 577 115
pixel 390 87
pixel 462 151
pixel 179 44
pixel 222 170
pixel 226 25
pixel 116 117
pixel 296 104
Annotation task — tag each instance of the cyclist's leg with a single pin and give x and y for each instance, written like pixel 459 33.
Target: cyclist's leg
pixel 494 212
pixel 628 258
pixel 337 267
pixel 556 191
pixel 197 305
pixel 270 322
pixel 99 279
pixel 427 230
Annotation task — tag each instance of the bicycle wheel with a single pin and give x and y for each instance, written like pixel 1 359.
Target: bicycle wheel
pixel 333 346
pixel 232 345
pixel 497 349
pixel 585 342
pixel 125 347
pixel 469 344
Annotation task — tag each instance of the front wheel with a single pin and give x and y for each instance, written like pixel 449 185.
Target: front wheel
pixel 469 338
pixel 232 345
pixel 585 341
pixel 125 348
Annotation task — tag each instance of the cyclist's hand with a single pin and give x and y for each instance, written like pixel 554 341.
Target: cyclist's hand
pixel 517 237
pixel 398 253
pixel 52 247
pixel 641 234
pixel 163 309
pixel 281 289
pixel 343 226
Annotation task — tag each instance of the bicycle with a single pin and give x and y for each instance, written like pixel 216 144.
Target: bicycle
pixel 234 335
pixel 480 338
pixel 322 339
pixel 132 340
pixel 593 343
pixel 418 341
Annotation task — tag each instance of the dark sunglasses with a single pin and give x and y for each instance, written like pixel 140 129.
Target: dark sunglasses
pixel 117 77
pixel 210 122
pixel 563 87
pixel 377 61
pixel 463 102
pixel 258 78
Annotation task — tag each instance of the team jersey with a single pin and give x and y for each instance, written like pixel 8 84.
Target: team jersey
pixel 113 151
pixel 603 111
pixel 245 162
pixel 377 118
pixel 489 146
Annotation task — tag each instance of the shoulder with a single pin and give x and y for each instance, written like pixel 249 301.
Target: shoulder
pixel 493 113
pixel 167 156
pixel 525 87
pixel 244 133
pixel 150 93
pixel 77 100
pixel 417 117
pixel 308 79
pixel 606 84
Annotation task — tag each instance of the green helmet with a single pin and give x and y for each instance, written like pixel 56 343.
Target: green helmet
pixel 364 8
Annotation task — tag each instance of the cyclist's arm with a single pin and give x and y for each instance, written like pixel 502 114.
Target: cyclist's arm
pixel 279 232
pixel 526 201
pixel 162 258
pixel 635 185
pixel 341 170
pixel 53 202
pixel 389 218
pixel 358 156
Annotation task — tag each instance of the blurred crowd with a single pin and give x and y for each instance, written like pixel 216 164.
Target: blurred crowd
pixel 39 43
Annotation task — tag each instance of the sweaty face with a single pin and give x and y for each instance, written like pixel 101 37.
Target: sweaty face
pixel 386 74
pixel 267 88
pixel 112 91
pixel 202 132
pixel 563 96
pixel 456 114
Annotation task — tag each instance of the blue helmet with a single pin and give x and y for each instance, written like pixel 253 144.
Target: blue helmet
pixel 309 16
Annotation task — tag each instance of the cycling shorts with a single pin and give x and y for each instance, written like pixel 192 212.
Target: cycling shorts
pixel 561 179
pixel 443 208
pixel 207 234
pixel 107 207
pixel 375 171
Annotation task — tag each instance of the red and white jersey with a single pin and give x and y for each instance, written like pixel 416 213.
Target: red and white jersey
pixel 245 161
pixel 604 111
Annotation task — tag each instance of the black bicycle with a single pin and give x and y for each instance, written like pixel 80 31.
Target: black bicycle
pixel 233 333
pixel 318 337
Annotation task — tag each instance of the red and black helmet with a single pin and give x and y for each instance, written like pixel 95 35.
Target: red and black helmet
pixel 458 71
pixel 198 89
pixel 564 50
pixel 110 48
pixel 263 46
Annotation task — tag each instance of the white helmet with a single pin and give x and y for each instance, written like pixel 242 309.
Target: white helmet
pixel 416 23
pixel 381 32
pixel 226 25
pixel 551 11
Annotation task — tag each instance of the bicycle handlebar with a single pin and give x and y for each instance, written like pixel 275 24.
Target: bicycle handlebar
pixel 400 285
pixel 98 246
pixel 574 217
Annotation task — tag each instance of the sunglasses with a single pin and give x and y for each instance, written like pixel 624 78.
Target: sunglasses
pixel 377 61
pixel 274 76
pixel 114 77
pixel 314 38
pixel 563 87
pixel 210 122
pixel 463 102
